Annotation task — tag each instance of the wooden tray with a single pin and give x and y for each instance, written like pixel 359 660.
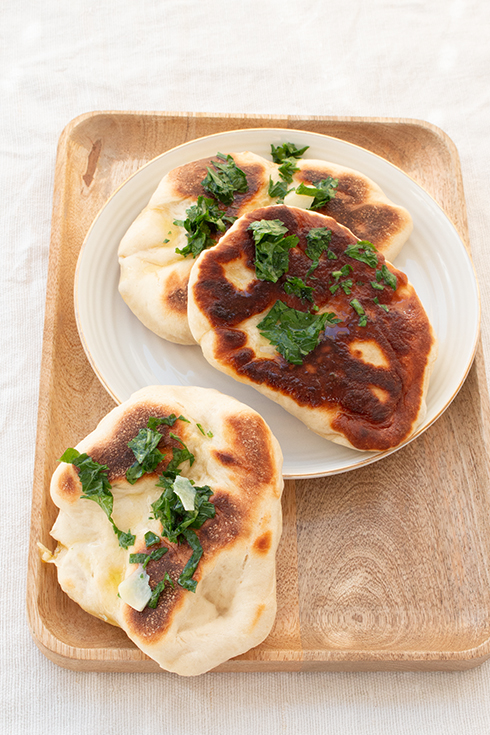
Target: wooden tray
pixel 386 567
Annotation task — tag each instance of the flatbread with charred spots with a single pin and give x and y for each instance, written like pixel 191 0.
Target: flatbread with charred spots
pixel 209 478
pixel 153 275
pixel 156 254
pixel 338 337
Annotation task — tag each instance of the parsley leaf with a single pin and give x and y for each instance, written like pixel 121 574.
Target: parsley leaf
pixel 145 558
pixel 318 241
pixel 148 457
pixel 151 539
pixel 279 189
pixel 223 183
pixel 388 277
pixel 286 150
pixel 177 522
pixel 294 333
pixel 271 248
pixel 155 421
pixel 360 311
pixel 204 219
pixel 158 589
pixel 296 286
pixel 323 191
pixel 287 169
pixel 363 251
pixel 145 444
pixel 96 487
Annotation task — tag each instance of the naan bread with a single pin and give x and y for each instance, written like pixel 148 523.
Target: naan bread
pixel 360 205
pixel 361 386
pixel 154 278
pixel 234 605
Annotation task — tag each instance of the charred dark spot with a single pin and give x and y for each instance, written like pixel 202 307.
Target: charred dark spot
pixel 225 458
pixel 68 486
pixel 263 543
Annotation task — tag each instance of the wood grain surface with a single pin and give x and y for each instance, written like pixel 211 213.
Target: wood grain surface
pixel 385 567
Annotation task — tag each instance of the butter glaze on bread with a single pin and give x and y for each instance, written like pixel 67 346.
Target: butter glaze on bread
pixel 362 386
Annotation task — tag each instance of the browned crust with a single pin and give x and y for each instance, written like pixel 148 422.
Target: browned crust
pixel 187 180
pixel 331 377
pixel 377 222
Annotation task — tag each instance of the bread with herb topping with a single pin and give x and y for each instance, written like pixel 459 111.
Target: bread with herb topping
pixel 318 322
pixel 236 467
pixel 153 276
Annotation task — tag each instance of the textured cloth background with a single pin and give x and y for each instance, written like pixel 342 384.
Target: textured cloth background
pixel 426 59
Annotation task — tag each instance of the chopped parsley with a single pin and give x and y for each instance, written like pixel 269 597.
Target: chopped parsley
pixel 151 539
pixel 287 169
pixel 178 522
pixel 360 311
pixel 226 180
pixel 286 150
pixel 323 191
pixel 363 251
pixel 158 589
pixel 145 558
pixel 294 333
pixel 144 447
pixel 297 287
pixel 286 155
pixel 278 189
pixel 96 487
pixel 204 220
pixel 271 248
pixel 317 242
pixel 388 277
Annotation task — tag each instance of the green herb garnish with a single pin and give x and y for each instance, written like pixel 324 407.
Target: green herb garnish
pixel 323 191
pixel 286 150
pixel 96 487
pixel 377 286
pixel 297 287
pixel 158 589
pixel 145 558
pixel 177 522
pixel 144 447
pixel 279 189
pixel 388 277
pixel 226 180
pixel 151 539
pixel 204 220
pixel 294 333
pixel 360 311
pixel 364 251
pixel 287 169
pixel 271 248
pixel 318 242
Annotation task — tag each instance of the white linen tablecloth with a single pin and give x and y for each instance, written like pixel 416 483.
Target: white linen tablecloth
pixel 425 59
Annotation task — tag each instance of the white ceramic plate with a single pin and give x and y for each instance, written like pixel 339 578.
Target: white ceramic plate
pixel 126 356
